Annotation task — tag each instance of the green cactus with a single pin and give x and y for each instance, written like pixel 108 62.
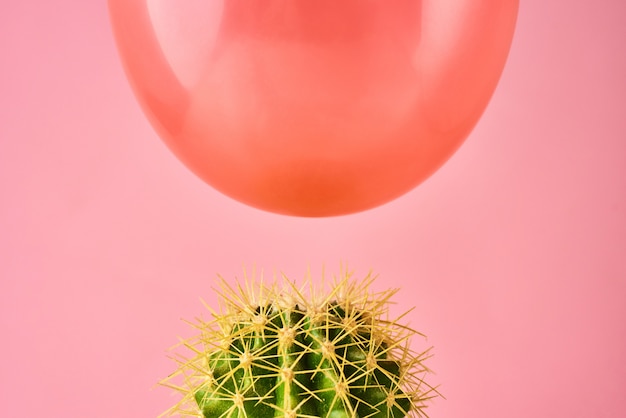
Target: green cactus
pixel 293 352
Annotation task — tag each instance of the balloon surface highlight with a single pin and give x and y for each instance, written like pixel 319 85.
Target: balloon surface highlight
pixel 313 108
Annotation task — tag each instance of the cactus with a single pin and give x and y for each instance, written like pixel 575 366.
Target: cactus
pixel 293 352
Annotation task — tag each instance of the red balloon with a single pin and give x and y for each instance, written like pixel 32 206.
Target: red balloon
pixel 313 108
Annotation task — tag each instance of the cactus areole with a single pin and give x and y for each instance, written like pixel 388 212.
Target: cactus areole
pixel 292 352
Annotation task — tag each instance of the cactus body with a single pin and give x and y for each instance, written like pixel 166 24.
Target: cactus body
pixel 277 353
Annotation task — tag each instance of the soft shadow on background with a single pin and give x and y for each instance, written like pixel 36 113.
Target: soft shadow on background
pixel 513 253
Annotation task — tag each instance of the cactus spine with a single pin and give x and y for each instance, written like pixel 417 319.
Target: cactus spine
pixel 294 352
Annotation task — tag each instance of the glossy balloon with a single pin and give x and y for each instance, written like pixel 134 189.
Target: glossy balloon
pixel 313 108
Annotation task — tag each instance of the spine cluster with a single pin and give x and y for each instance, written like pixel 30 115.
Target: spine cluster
pixel 293 352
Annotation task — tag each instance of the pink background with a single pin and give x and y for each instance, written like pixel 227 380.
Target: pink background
pixel 514 252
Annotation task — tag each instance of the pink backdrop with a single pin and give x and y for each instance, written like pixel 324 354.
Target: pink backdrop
pixel 514 252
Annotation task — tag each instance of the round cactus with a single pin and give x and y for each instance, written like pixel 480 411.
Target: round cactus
pixel 294 352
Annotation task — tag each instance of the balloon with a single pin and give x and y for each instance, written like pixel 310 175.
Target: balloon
pixel 313 108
